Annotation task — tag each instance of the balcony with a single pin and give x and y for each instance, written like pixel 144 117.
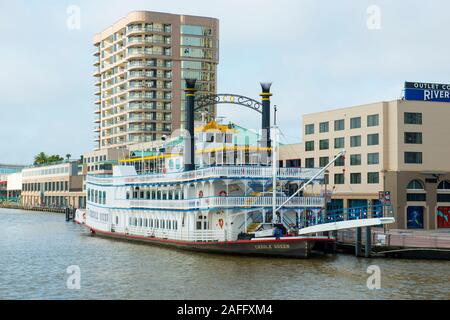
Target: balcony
pixel 141 74
pixel 141 64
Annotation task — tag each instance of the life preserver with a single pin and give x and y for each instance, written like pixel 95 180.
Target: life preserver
pixel 222 193
pixel 221 223
pixel 200 194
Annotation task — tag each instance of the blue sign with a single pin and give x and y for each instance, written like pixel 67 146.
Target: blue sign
pixel 427 92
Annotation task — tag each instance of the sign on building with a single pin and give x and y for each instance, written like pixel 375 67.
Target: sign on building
pixel 427 91
pixel 385 198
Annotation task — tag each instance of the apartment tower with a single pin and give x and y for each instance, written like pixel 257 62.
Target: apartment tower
pixel 141 62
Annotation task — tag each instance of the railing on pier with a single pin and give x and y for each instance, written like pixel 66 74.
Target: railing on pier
pixel 225 202
pixel 296 174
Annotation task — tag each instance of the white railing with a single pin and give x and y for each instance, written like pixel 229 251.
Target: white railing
pixel 214 172
pixel 222 202
pixel 193 236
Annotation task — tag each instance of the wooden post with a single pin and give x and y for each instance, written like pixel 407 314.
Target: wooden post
pixel 358 242
pixel 368 247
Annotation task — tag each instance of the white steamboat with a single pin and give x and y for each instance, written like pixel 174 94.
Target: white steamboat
pixel 208 193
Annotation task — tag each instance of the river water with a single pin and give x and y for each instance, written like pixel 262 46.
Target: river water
pixel 37 248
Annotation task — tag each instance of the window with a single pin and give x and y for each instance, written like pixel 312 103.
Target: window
pixel 355 141
pixel 444 186
pixel 324 144
pixel 355 160
pixel 323 161
pixel 373 177
pixel 373 158
pixel 196 30
pixel 309 146
pixel 413 157
pixel 373 139
pixel 413 137
pixel 373 120
pixel 309 129
pixel 416 197
pixel 339 125
pixel 339 178
pixel 340 162
pixel 415 185
pixel 355 178
pixel 339 143
pixel 295 163
pixel 309 163
pixel 324 127
pixel 355 123
pixel 413 118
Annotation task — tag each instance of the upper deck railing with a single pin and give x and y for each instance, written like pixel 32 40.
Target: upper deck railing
pixel 296 174
pixel 221 202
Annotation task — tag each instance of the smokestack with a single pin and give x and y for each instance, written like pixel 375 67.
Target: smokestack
pixel 265 97
pixel 189 142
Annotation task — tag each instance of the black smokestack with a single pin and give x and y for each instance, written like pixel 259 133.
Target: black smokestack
pixel 189 142
pixel 265 96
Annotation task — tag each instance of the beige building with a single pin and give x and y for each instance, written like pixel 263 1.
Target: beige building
pixel 101 161
pixel 140 63
pixel 53 185
pixel 398 146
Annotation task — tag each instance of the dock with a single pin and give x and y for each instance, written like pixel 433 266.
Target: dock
pixel 407 244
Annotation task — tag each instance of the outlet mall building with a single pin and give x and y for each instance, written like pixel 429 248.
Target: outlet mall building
pixel 400 146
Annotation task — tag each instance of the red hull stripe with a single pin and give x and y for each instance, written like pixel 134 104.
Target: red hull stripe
pixel 282 240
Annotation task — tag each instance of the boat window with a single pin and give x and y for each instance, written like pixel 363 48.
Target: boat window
pixel 209 137
pixel 219 137
pixel 128 195
pixel 148 195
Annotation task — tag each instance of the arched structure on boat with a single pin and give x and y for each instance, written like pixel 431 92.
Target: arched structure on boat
pixel 193 103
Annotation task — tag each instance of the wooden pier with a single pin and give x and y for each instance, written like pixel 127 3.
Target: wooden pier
pixel 396 243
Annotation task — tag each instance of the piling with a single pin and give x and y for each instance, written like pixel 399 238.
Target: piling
pixel 358 242
pixel 368 245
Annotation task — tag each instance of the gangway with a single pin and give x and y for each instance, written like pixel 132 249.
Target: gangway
pixel 349 219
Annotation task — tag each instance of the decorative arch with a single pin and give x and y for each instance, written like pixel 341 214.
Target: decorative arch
pixel 416 185
pixel 214 99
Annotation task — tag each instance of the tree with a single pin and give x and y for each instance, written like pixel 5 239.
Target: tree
pixel 68 156
pixel 40 158
pixel 55 158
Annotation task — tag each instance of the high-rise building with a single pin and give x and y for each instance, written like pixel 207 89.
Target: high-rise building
pixel 141 62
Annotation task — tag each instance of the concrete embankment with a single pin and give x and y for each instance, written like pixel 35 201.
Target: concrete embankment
pixel 20 207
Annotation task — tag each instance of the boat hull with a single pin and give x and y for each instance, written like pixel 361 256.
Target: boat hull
pixel 284 247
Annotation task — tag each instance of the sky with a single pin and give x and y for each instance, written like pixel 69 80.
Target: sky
pixel 319 54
